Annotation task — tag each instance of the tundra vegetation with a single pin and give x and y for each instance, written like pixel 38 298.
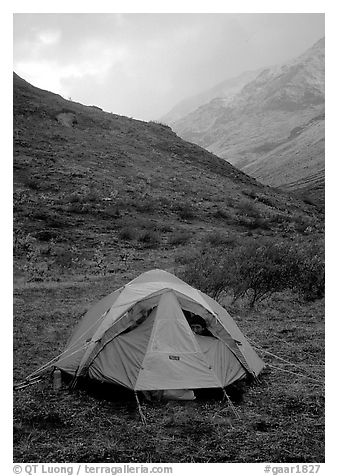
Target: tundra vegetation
pixel 103 198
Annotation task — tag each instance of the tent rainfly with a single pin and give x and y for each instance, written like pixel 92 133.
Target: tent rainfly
pixel 139 337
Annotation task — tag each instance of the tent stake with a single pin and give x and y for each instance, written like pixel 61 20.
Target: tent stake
pixel 143 418
pixel 27 384
pixel 73 383
pixel 225 395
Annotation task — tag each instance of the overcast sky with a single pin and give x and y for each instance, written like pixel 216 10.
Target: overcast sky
pixel 141 65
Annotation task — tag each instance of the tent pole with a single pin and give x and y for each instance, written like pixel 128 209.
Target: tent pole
pixel 143 418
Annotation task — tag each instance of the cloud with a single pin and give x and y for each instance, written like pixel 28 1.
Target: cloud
pixel 49 37
pixel 142 64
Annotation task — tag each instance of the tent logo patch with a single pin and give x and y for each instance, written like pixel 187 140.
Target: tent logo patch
pixel 174 357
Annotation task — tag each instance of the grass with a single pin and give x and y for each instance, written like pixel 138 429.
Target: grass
pixel 282 415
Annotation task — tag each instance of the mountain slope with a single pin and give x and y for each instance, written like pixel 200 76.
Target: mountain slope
pixel 227 88
pixel 295 162
pixel 90 184
pixel 249 127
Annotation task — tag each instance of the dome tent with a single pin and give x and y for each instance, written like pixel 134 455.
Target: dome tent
pixel 138 337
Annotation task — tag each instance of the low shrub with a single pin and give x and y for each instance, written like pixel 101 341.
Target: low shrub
pixel 33 184
pixel 250 193
pixel 45 235
pixel 259 222
pixel 160 124
pixel 74 198
pixel 76 207
pixel 309 200
pixel 24 243
pixel 266 200
pixel 221 213
pixel 39 215
pixel 230 202
pixel 280 219
pixel 51 219
pixel 63 257
pixel 142 223
pixel 179 238
pixel 92 196
pixel 166 228
pixel 112 211
pixel 205 272
pixel 127 233
pixel 145 205
pixel 301 223
pixel 151 239
pixel 257 269
pixel 186 256
pixel 248 209
pixel 218 238
pixel 185 211
pixel 310 280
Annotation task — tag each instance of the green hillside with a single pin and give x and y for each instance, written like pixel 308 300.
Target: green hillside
pixel 100 198
pixel 89 183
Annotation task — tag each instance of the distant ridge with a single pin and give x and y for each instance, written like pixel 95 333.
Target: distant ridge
pixel 227 88
pixel 277 118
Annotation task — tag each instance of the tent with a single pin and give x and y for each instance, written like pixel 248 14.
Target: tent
pixel 139 337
